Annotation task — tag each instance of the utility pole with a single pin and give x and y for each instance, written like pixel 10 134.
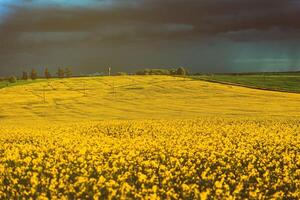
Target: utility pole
pixel 84 88
pixel 114 90
pixel 44 93
pixel 109 71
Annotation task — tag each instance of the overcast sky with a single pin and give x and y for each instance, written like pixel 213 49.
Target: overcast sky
pixel 203 35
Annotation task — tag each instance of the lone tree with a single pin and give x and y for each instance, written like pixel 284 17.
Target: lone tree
pixel 60 73
pixel 181 71
pixel 12 79
pixel 25 76
pixel 33 74
pixel 47 74
pixel 68 72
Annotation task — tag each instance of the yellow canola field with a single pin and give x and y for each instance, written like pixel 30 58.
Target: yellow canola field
pixel 139 97
pixel 147 137
pixel 152 159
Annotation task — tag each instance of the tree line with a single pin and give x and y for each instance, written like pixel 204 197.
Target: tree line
pixel 181 71
pixel 33 75
pixel 61 73
pixel 66 73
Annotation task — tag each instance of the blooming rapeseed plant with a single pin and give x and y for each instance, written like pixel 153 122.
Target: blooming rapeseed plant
pixel 169 161
pixel 175 149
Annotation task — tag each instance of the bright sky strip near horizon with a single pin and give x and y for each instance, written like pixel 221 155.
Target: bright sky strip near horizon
pixel 251 35
pixel 5 4
pixel 53 2
pixel 4 8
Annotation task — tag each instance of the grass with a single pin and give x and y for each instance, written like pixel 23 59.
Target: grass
pixel 283 82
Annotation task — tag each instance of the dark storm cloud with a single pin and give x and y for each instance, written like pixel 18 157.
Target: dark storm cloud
pixel 32 25
pixel 147 17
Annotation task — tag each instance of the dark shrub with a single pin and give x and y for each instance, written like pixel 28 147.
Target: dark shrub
pixel 12 79
pixel 33 74
pixel 181 71
pixel 47 74
pixel 25 76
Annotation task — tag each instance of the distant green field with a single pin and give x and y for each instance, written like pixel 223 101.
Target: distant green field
pixel 283 82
